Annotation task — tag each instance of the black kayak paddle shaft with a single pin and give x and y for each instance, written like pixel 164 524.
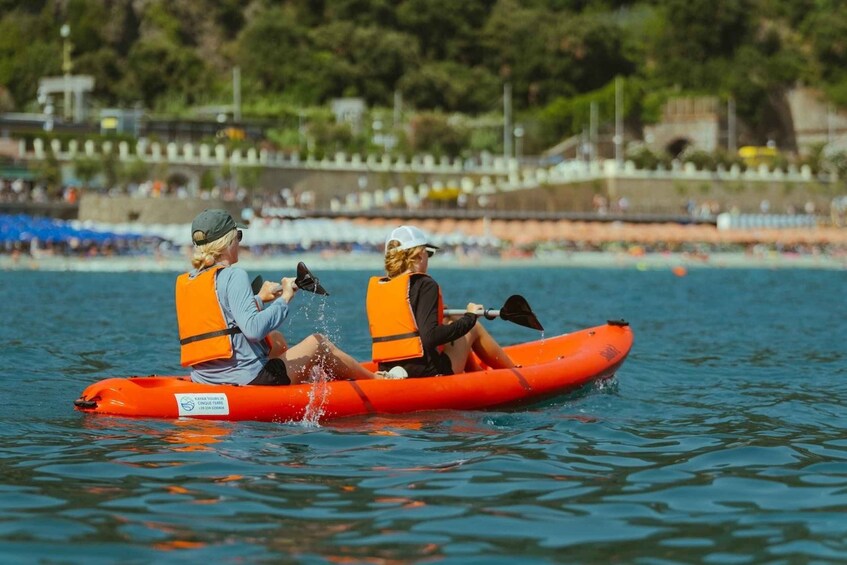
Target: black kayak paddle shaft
pixel 515 310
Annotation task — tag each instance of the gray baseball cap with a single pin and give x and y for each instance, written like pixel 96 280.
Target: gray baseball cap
pixel 212 224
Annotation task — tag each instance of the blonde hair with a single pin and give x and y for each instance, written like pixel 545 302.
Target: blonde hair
pixel 208 254
pixel 398 261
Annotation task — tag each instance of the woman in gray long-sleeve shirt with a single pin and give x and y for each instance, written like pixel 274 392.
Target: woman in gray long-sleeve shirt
pixel 247 357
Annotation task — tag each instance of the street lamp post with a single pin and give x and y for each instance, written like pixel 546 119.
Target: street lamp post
pixel 519 131
pixel 67 66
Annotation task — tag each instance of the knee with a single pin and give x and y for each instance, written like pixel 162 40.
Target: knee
pixel 322 342
pixel 309 345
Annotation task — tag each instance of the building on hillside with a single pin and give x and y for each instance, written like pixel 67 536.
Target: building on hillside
pixel 687 122
pixel 704 123
pixel 816 122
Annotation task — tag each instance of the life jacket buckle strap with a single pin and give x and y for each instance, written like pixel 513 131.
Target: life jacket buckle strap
pixel 396 337
pixel 210 335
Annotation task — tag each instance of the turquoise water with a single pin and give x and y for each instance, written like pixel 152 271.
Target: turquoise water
pixel 721 440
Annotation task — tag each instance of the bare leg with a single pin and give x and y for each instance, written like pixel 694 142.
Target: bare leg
pixel 459 351
pixel 472 365
pixel 318 350
pixel 488 350
pixel 278 344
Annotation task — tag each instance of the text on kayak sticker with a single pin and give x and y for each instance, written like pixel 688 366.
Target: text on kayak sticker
pixel 609 352
pixel 209 404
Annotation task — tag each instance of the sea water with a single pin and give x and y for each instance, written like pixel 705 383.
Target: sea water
pixel 721 439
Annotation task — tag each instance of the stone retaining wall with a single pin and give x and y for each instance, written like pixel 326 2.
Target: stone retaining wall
pixel 163 210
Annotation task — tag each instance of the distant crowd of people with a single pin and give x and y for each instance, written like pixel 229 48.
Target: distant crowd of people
pixel 267 202
pixel 706 209
pixel 21 190
pixel 78 248
pixel 264 202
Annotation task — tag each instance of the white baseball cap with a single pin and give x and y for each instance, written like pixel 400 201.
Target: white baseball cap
pixel 408 237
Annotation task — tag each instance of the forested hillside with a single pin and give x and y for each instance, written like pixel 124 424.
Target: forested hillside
pixel 440 55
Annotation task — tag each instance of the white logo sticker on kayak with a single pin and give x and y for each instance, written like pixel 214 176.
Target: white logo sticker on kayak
pixel 210 404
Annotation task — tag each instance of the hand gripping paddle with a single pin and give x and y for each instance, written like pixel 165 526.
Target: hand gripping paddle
pixel 305 280
pixel 515 310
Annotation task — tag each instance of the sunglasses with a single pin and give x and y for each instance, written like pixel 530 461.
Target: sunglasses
pixel 430 252
pixel 238 235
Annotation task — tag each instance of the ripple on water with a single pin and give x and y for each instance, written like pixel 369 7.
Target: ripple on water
pixel 719 441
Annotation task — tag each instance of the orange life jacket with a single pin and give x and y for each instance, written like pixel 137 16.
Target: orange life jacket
pixel 203 331
pixel 394 331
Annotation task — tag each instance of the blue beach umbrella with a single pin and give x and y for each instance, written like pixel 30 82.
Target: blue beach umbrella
pixel 24 228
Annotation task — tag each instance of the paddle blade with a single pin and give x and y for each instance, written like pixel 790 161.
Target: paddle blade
pixel 307 281
pixel 517 310
pixel 257 283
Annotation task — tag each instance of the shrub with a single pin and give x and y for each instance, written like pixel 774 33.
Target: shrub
pixel 644 158
pixel 703 160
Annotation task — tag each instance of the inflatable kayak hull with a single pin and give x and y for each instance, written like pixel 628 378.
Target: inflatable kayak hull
pixel 549 367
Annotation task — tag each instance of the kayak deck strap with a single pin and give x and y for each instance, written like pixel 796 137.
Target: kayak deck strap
pixel 83 403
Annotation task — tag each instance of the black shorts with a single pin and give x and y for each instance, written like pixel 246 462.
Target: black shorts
pixel 272 374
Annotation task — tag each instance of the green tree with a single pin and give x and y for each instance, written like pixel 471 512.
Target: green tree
pixel 230 17
pixel 587 53
pixel 644 158
pixel 433 133
pixel 135 171
pixel 514 41
pixel 104 65
pixel 375 58
pixel 329 137
pixel 85 19
pixel 249 177
pixel 26 54
pixel 226 174
pixel 696 34
pixel 207 180
pixel 270 49
pixel 86 169
pixel 570 115
pixel 49 172
pixel 827 34
pixel 161 68
pixel 758 84
pixel 6 102
pixel 446 30
pixel 450 87
pixel 111 169
pixel 379 13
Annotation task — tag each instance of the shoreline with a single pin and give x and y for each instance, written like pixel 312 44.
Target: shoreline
pixel 341 261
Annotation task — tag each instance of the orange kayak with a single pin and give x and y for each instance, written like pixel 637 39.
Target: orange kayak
pixel 548 367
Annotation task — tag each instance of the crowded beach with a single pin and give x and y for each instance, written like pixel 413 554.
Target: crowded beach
pixel 38 243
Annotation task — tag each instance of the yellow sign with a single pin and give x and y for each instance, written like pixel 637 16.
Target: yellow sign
pixel 754 156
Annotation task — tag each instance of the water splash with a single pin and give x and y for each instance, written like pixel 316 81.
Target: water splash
pixel 606 386
pixel 540 350
pixel 316 311
pixel 318 394
pixel 324 320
